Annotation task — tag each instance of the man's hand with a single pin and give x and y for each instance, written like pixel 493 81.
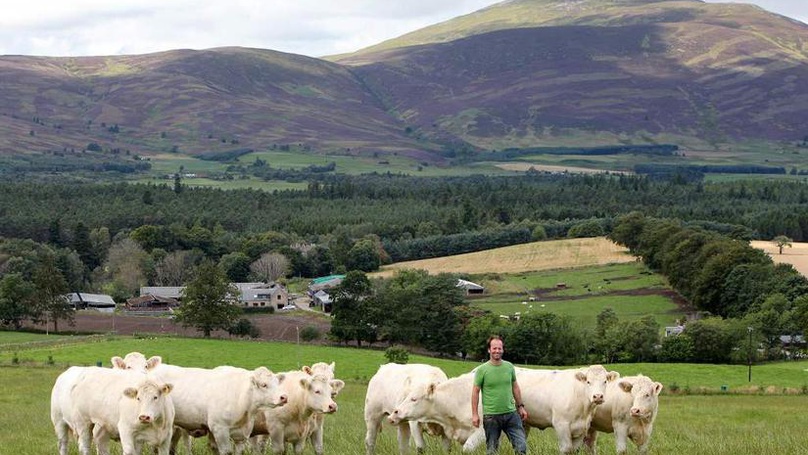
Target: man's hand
pixel 522 412
pixel 475 421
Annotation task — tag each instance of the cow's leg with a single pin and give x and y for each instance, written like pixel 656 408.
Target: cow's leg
pixel 84 433
pixel 62 436
pixel 591 441
pixel 404 438
pixel 299 446
pixel 101 437
pixel 373 425
pixel 278 441
pixel 564 433
pixel 221 437
pixel 621 437
pixel 475 440
pixel 316 436
pixel 165 447
pixel 417 436
pixel 259 443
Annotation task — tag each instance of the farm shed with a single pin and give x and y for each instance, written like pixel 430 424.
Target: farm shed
pixel 100 302
pixel 151 303
pixel 325 282
pixel 171 292
pixel 469 287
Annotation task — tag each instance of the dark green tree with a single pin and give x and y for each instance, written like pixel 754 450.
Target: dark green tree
pixel 50 293
pixel 16 300
pixel 363 256
pixel 236 266
pixel 207 303
pixel 352 309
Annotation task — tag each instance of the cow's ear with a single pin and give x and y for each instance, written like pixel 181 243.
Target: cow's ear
pixel 167 388
pixel 280 376
pixel 262 370
pixel 336 386
pixel 626 386
pixel 612 376
pixel 118 362
pixel 153 362
pixel 431 389
pixel 305 383
pixel 130 392
pixel 657 388
pixel 333 367
pixel 581 376
pixel 306 369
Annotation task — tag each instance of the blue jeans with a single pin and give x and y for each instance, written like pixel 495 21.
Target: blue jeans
pixel 511 424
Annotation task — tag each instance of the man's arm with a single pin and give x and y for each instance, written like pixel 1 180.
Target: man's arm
pixel 475 397
pixel 517 396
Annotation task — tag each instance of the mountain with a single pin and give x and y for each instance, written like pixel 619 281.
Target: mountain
pixel 192 102
pixel 537 72
pixel 521 73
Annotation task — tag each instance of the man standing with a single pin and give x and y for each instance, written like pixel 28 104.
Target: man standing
pixel 502 400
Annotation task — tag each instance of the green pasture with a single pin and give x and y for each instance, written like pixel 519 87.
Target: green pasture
pixel 585 310
pixel 713 424
pixel 630 289
pixel 577 282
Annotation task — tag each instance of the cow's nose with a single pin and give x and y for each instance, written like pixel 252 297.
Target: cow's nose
pixel 332 407
pixel 283 399
pixel 144 418
pixel 635 411
pixel 597 398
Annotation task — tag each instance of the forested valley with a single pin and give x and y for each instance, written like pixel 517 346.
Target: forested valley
pixel 114 238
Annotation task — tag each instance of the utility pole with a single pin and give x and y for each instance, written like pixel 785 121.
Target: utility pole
pixel 749 353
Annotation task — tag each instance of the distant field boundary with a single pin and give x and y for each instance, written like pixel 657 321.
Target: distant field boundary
pixel 529 257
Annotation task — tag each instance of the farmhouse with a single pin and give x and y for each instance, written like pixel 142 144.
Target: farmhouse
pixel 262 295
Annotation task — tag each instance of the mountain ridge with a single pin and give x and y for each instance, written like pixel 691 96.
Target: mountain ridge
pixel 510 75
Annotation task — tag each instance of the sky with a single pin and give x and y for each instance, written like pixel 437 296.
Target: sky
pixel 309 27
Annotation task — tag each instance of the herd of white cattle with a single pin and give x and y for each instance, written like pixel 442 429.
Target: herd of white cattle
pixel 144 401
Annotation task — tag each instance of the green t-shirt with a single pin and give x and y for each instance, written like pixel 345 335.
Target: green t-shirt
pixel 496 386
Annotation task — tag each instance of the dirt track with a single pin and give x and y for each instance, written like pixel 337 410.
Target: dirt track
pixel 273 327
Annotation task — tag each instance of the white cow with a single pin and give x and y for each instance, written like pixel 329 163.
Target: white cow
pixel 61 404
pixel 628 411
pixel 445 403
pixel 318 420
pixel 222 402
pixel 387 388
pixel 306 397
pixel 118 404
pixel 565 400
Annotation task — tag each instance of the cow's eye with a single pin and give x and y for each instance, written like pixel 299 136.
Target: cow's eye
pixel 318 392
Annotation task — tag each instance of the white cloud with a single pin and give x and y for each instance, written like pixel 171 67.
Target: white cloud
pixel 309 27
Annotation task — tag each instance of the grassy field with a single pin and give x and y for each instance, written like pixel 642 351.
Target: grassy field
pixel 715 424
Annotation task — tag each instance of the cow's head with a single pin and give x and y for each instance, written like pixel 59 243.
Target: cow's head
pixel 319 390
pixel 267 387
pixel 416 405
pixel 136 361
pixel 324 369
pixel 151 401
pixel 595 378
pixel 645 396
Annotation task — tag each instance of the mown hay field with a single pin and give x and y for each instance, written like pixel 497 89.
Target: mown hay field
pixel 796 254
pixel 546 255
pixel 756 419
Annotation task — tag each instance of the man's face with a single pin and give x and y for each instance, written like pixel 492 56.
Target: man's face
pixel 496 349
